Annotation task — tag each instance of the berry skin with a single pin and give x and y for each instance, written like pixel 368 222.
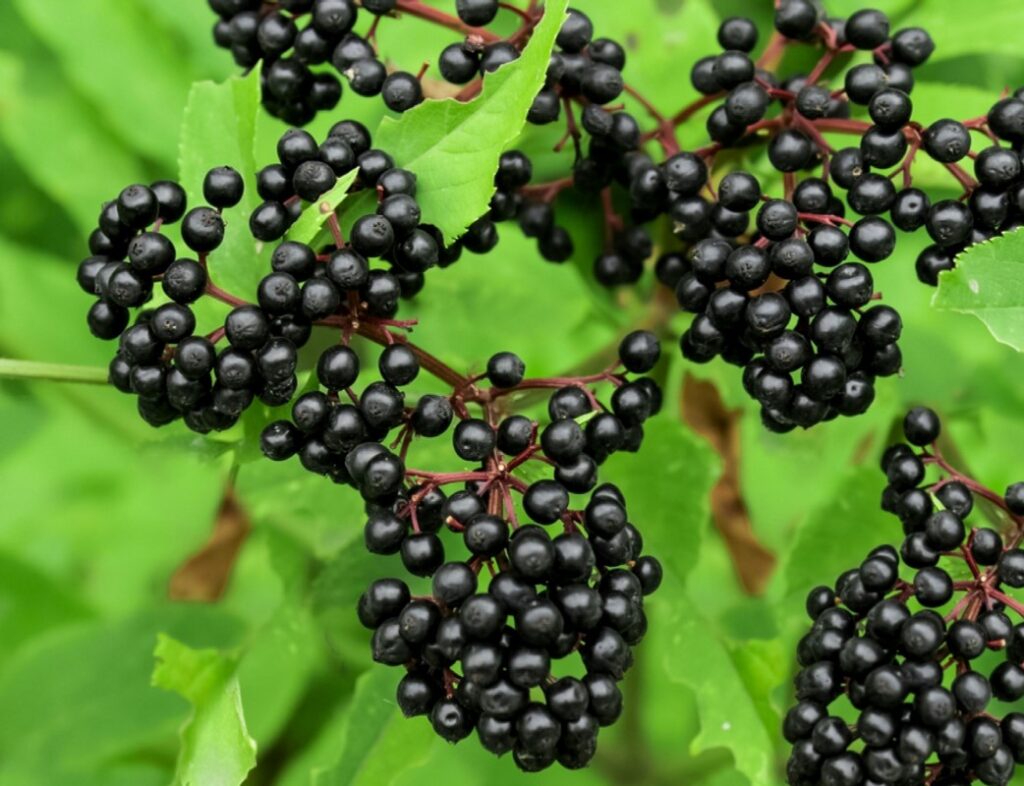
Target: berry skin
pixel 223 187
pixel 202 230
pixel 872 239
pixel 268 222
pixel 337 368
pixel 1014 498
pixel 458 64
pixel 473 440
pixel 576 32
pixel 171 200
pixel 432 416
pixel 949 223
pixel 947 141
pixel 476 13
pixel 398 365
pixel 137 206
pixel 912 46
pixel 639 351
pixel 401 91
pixel 796 18
pixel 737 33
pixel 505 370
pixel 372 236
pixel 921 426
pixel 867 29
pixel 312 179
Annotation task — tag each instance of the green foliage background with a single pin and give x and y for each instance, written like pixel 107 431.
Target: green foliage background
pixel 96 511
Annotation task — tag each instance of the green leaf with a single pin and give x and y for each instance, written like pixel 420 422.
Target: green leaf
pixel 78 701
pixel 988 282
pixel 218 130
pixel 732 689
pixel 315 216
pixel 966 28
pixel 79 168
pixel 454 147
pixel 30 603
pixel 110 53
pixel 838 535
pixel 216 749
pixel 673 464
pixel 377 744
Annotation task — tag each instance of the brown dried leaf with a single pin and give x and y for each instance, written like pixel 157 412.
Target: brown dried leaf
pixel 705 412
pixel 204 576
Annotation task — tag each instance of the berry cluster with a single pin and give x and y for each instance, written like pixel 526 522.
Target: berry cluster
pixel 473 653
pixel 994 197
pixel 580 590
pixel 788 300
pixel 254 31
pixel 177 373
pixel 295 38
pixel 910 647
pixel 582 68
pixel 515 199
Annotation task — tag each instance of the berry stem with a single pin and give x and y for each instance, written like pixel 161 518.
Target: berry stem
pixel 936 458
pixel 422 11
pixel 335 226
pixel 693 108
pixel 819 69
pixel 773 51
pixel 547 192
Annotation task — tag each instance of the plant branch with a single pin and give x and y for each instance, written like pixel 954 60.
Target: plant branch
pixel 52 372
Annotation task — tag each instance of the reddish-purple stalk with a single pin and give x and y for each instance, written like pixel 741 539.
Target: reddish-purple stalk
pixel 980 591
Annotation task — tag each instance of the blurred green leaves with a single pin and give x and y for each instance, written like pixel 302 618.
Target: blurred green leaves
pixel 377 743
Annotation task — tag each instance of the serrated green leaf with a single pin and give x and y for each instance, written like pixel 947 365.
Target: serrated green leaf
pixel 313 218
pixel 216 749
pixel 377 743
pixel 218 130
pixel 675 465
pixel 453 147
pixel 988 282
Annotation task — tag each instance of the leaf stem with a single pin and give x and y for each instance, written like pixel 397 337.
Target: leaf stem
pixel 52 372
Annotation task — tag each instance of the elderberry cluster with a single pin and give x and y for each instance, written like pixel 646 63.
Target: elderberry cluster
pixel 921 647
pixel 812 345
pixel 996 201
pixel 582 67
pixel 254 31
pixel 514 200
pixel 294 38
pixel 177 373
pixel 481 656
